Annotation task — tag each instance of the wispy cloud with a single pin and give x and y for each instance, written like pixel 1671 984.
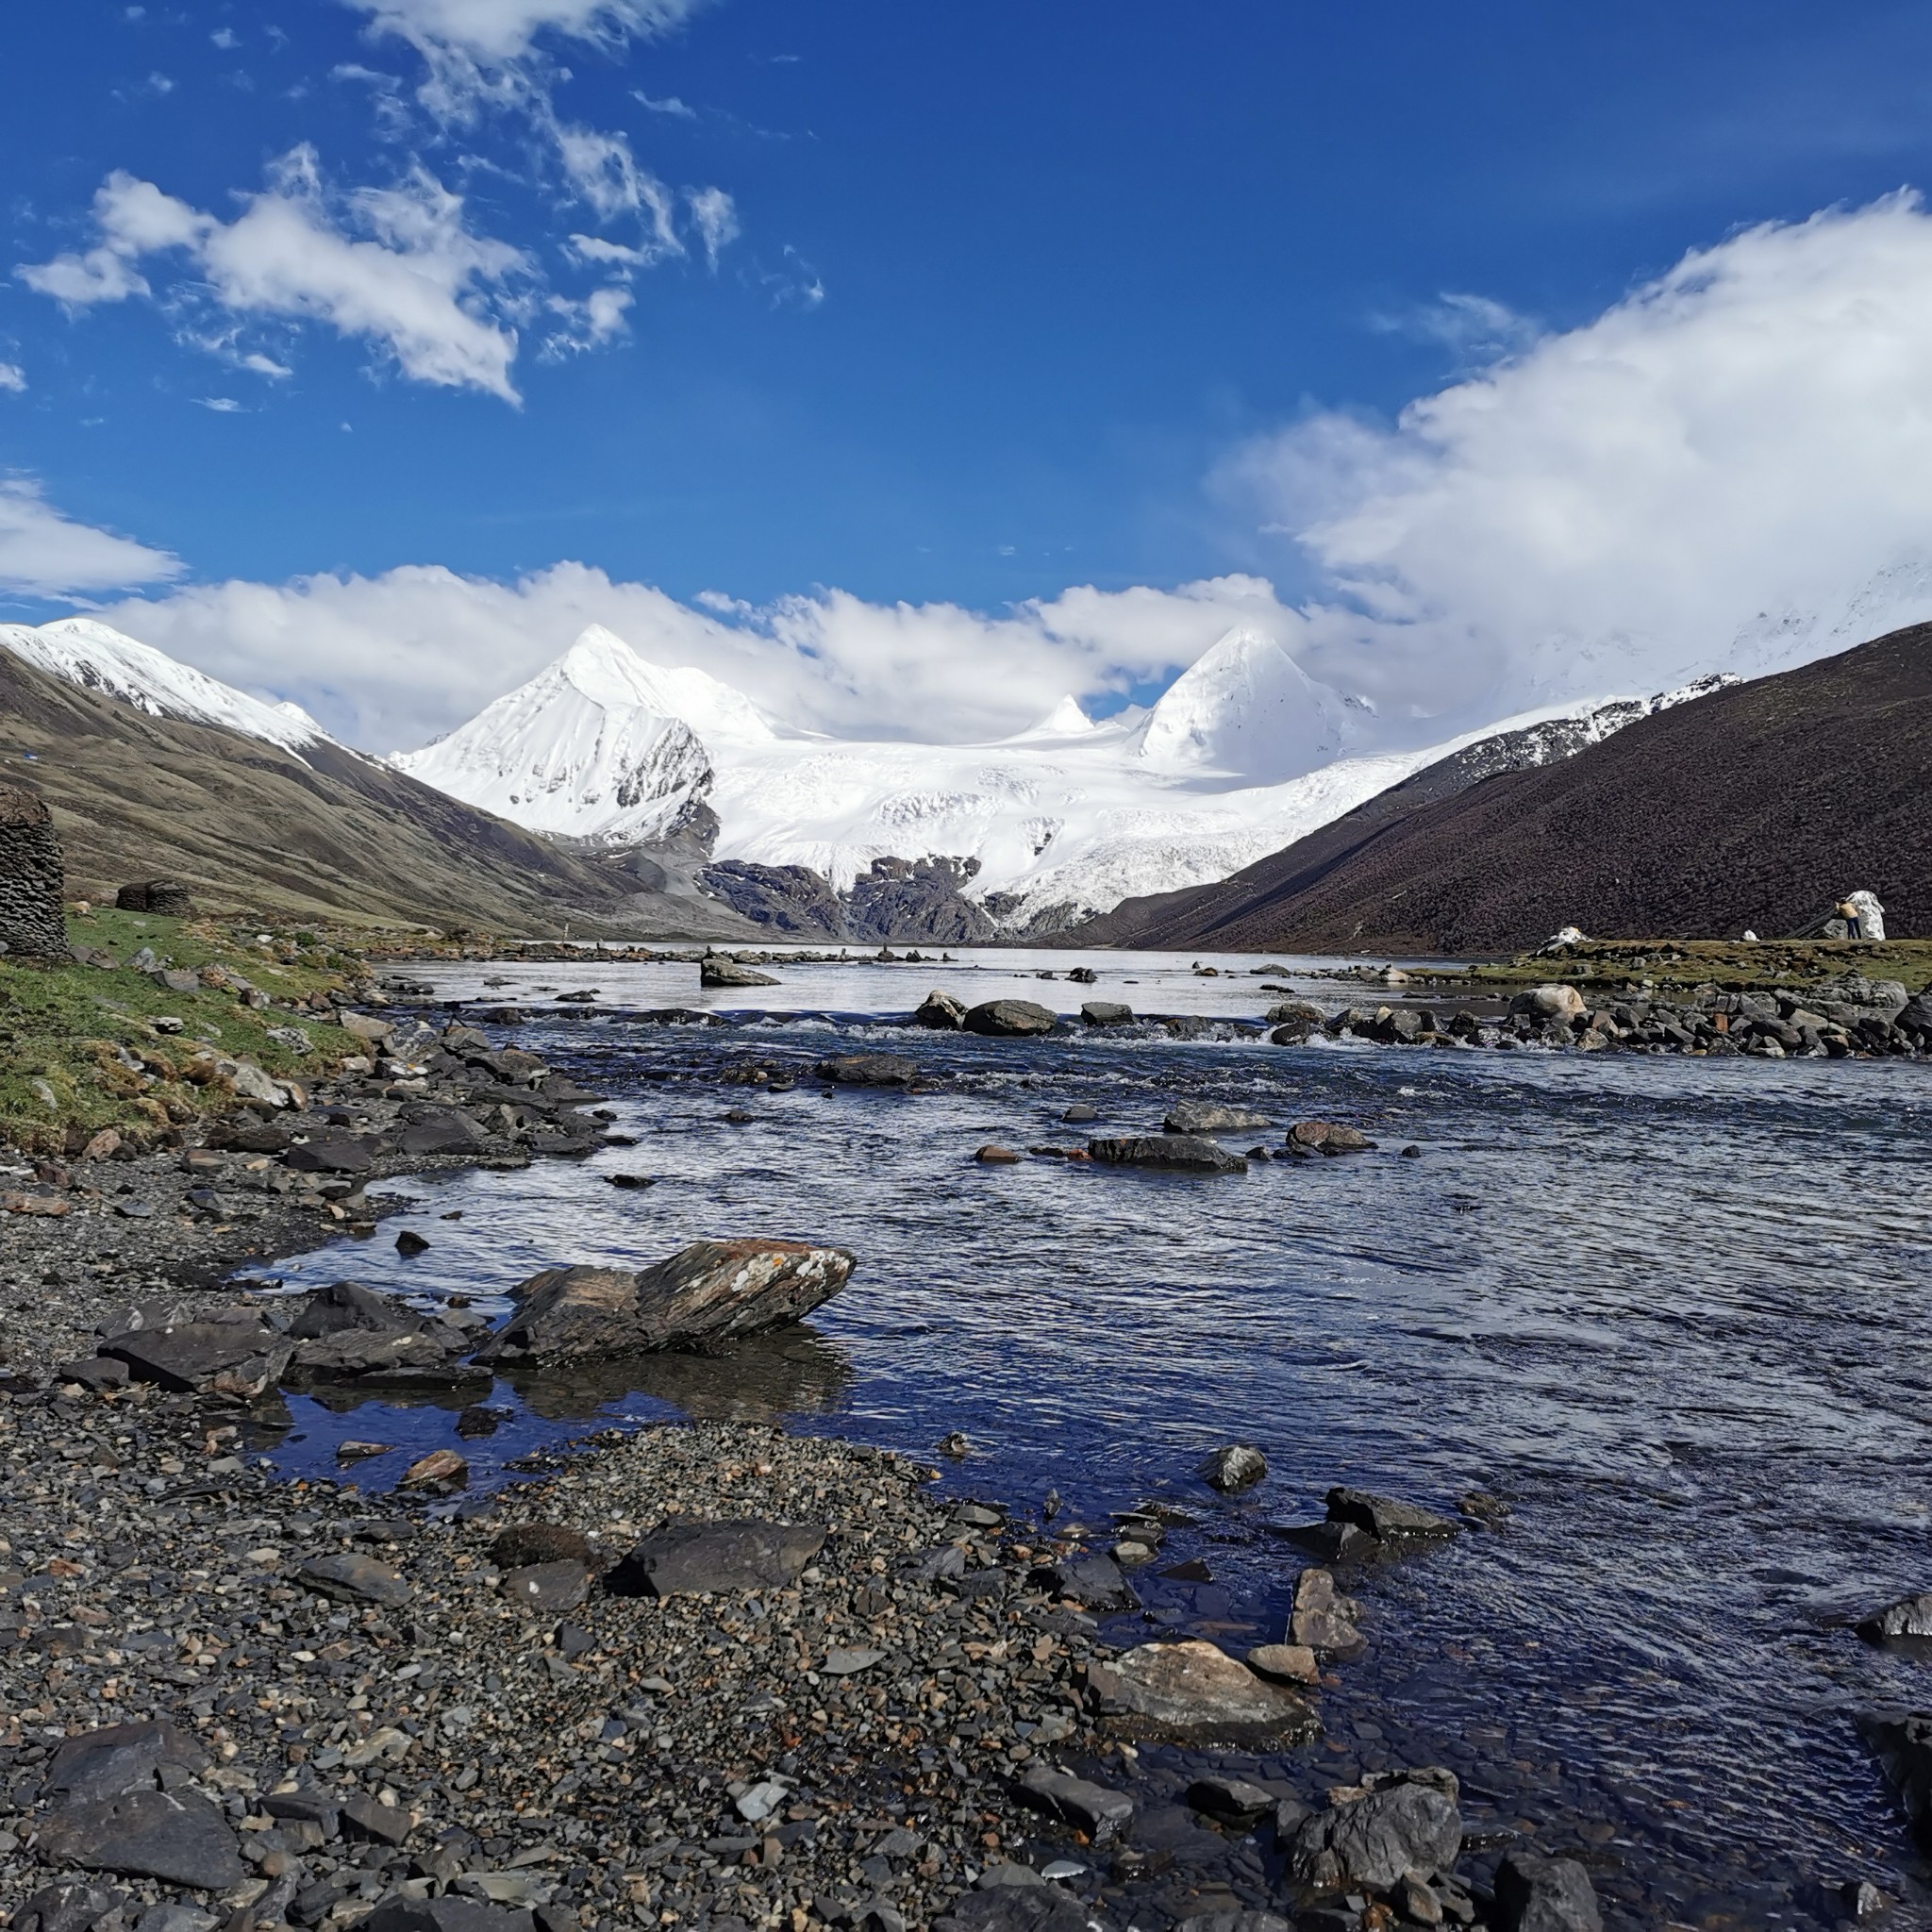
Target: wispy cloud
pixel 12 379
pixel 44 554
pixel 222 406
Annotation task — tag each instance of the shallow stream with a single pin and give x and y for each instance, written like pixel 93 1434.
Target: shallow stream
pixel 1671 1311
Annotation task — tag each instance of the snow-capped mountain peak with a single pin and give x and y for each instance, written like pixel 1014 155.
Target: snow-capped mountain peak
pixel 1066 719
pixel 590 747
pixel 1244 707
pixel 609 673
pixel 84 651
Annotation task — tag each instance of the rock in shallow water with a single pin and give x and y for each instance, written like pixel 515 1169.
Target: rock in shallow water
pixel 939 1010
pixel 711 1290
pixel 1209 1116
pixel 868 1070
pixel 1236 1467
pixel 1193 1689
pixel 1538 1894
pixel 1908 1622
pixel 1412 1823
pixel 1183 1153
pixel 1009 1018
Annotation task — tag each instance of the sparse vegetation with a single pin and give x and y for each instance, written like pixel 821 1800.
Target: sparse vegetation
pixel 84 1047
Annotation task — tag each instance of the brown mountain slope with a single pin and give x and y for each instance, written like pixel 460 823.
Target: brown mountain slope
pixel 1753 807
pixel 247 823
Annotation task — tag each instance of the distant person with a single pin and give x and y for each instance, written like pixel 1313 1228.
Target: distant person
pixel 1860 917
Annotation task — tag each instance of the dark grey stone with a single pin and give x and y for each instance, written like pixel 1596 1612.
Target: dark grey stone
pixel 146 1834
pixel 687 1558
pixel 1538 1894
pixel 1101 1813
pixel 1009 1018
pixel 347 1578
pixel 121 1757
pixel 1185 1153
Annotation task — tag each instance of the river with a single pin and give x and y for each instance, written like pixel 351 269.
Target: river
pixel 1670 1311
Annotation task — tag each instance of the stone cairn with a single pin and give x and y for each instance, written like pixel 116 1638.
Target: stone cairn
pixel 161 896
pixel 32 878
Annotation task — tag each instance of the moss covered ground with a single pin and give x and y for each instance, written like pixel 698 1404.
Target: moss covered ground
pixel 68 1032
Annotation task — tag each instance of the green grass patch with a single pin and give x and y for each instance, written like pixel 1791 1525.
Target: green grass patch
pixel 68 1032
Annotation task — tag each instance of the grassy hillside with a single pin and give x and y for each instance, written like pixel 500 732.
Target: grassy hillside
pixel 69 1032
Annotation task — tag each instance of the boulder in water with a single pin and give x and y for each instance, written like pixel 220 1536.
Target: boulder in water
pixel 708 1291
pixel 939 1010
pixel 1183 1153
pixel 714 969
pixel 1009 1018
pixel 1211 1117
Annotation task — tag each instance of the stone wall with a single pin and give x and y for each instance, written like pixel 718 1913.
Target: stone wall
pixel 161 896
pixel 32 878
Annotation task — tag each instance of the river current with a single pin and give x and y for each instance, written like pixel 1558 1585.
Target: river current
pixel 1670 1311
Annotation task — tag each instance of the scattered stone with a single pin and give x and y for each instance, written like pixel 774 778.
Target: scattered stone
pixel 848 1663
pixel 1106 1013
pixel 346 1578
pixel 1239 1466
pixel 1538 1894
pixel 993 1155
pixel 715 970
pixel 1285 1663
pixel 179 1835
pixel 1410 1823
pixel 1550 1003
pixel 1183 1153
pixel 1009 1018
pixel 1101 1813
pixel 1094 1582
pixel 549 1589
pixel 442 1469
pixel 1232 1800
pixel 632 1180
pixel 1079 1113
pixel 1907 1622
pixel 709 1291
pixel 410 1242
pixel 1010 1907
pixel 353 1451
pixel 1327 1137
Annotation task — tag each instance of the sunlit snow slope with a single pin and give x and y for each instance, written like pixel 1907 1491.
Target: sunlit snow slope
pixel 1065 819
pixel 80 651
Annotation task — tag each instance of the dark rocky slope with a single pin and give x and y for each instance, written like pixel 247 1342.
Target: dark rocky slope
pixel 333 835
pixel 1752 806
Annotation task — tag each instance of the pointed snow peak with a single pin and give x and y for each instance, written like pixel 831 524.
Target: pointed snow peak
pixel 1244 706
pixel 1066 719
pixel 609 673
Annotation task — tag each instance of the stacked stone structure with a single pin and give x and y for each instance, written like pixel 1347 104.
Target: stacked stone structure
pixel 162 896
pixel 33 880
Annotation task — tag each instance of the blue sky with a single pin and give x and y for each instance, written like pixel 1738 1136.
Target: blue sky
pixel 952 305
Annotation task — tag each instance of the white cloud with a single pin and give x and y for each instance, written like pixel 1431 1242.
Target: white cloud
pixel 390 661
pixel 671 104
pixel 12 379
pixel 225 38
pixel 495 31
pixel 591 324
pixel 394 266
pixel 222 406
pixel 716 218
pixel 266 365
pixel 1475 329
pixel 1735 446
pixel 43 554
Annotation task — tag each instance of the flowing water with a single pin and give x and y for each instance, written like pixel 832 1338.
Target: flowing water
pixel 1670 1311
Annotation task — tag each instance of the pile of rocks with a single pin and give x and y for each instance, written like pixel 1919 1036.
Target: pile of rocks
pixel 1859 1018
pixel 33 919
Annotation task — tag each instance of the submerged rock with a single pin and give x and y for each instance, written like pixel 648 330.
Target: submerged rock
pixel 1186 1152
pixel 868 1070
pixel 1906 1621
pixel 1327 1137
pixel 708 1291
pixel 1323 1619
pixel 1387 1519
pixel 1209 1116
pixel 1236 1467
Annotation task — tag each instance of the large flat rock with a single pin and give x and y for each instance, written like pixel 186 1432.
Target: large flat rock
pixel 1192 1690
pixel 707 1293
pixel 686 1558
